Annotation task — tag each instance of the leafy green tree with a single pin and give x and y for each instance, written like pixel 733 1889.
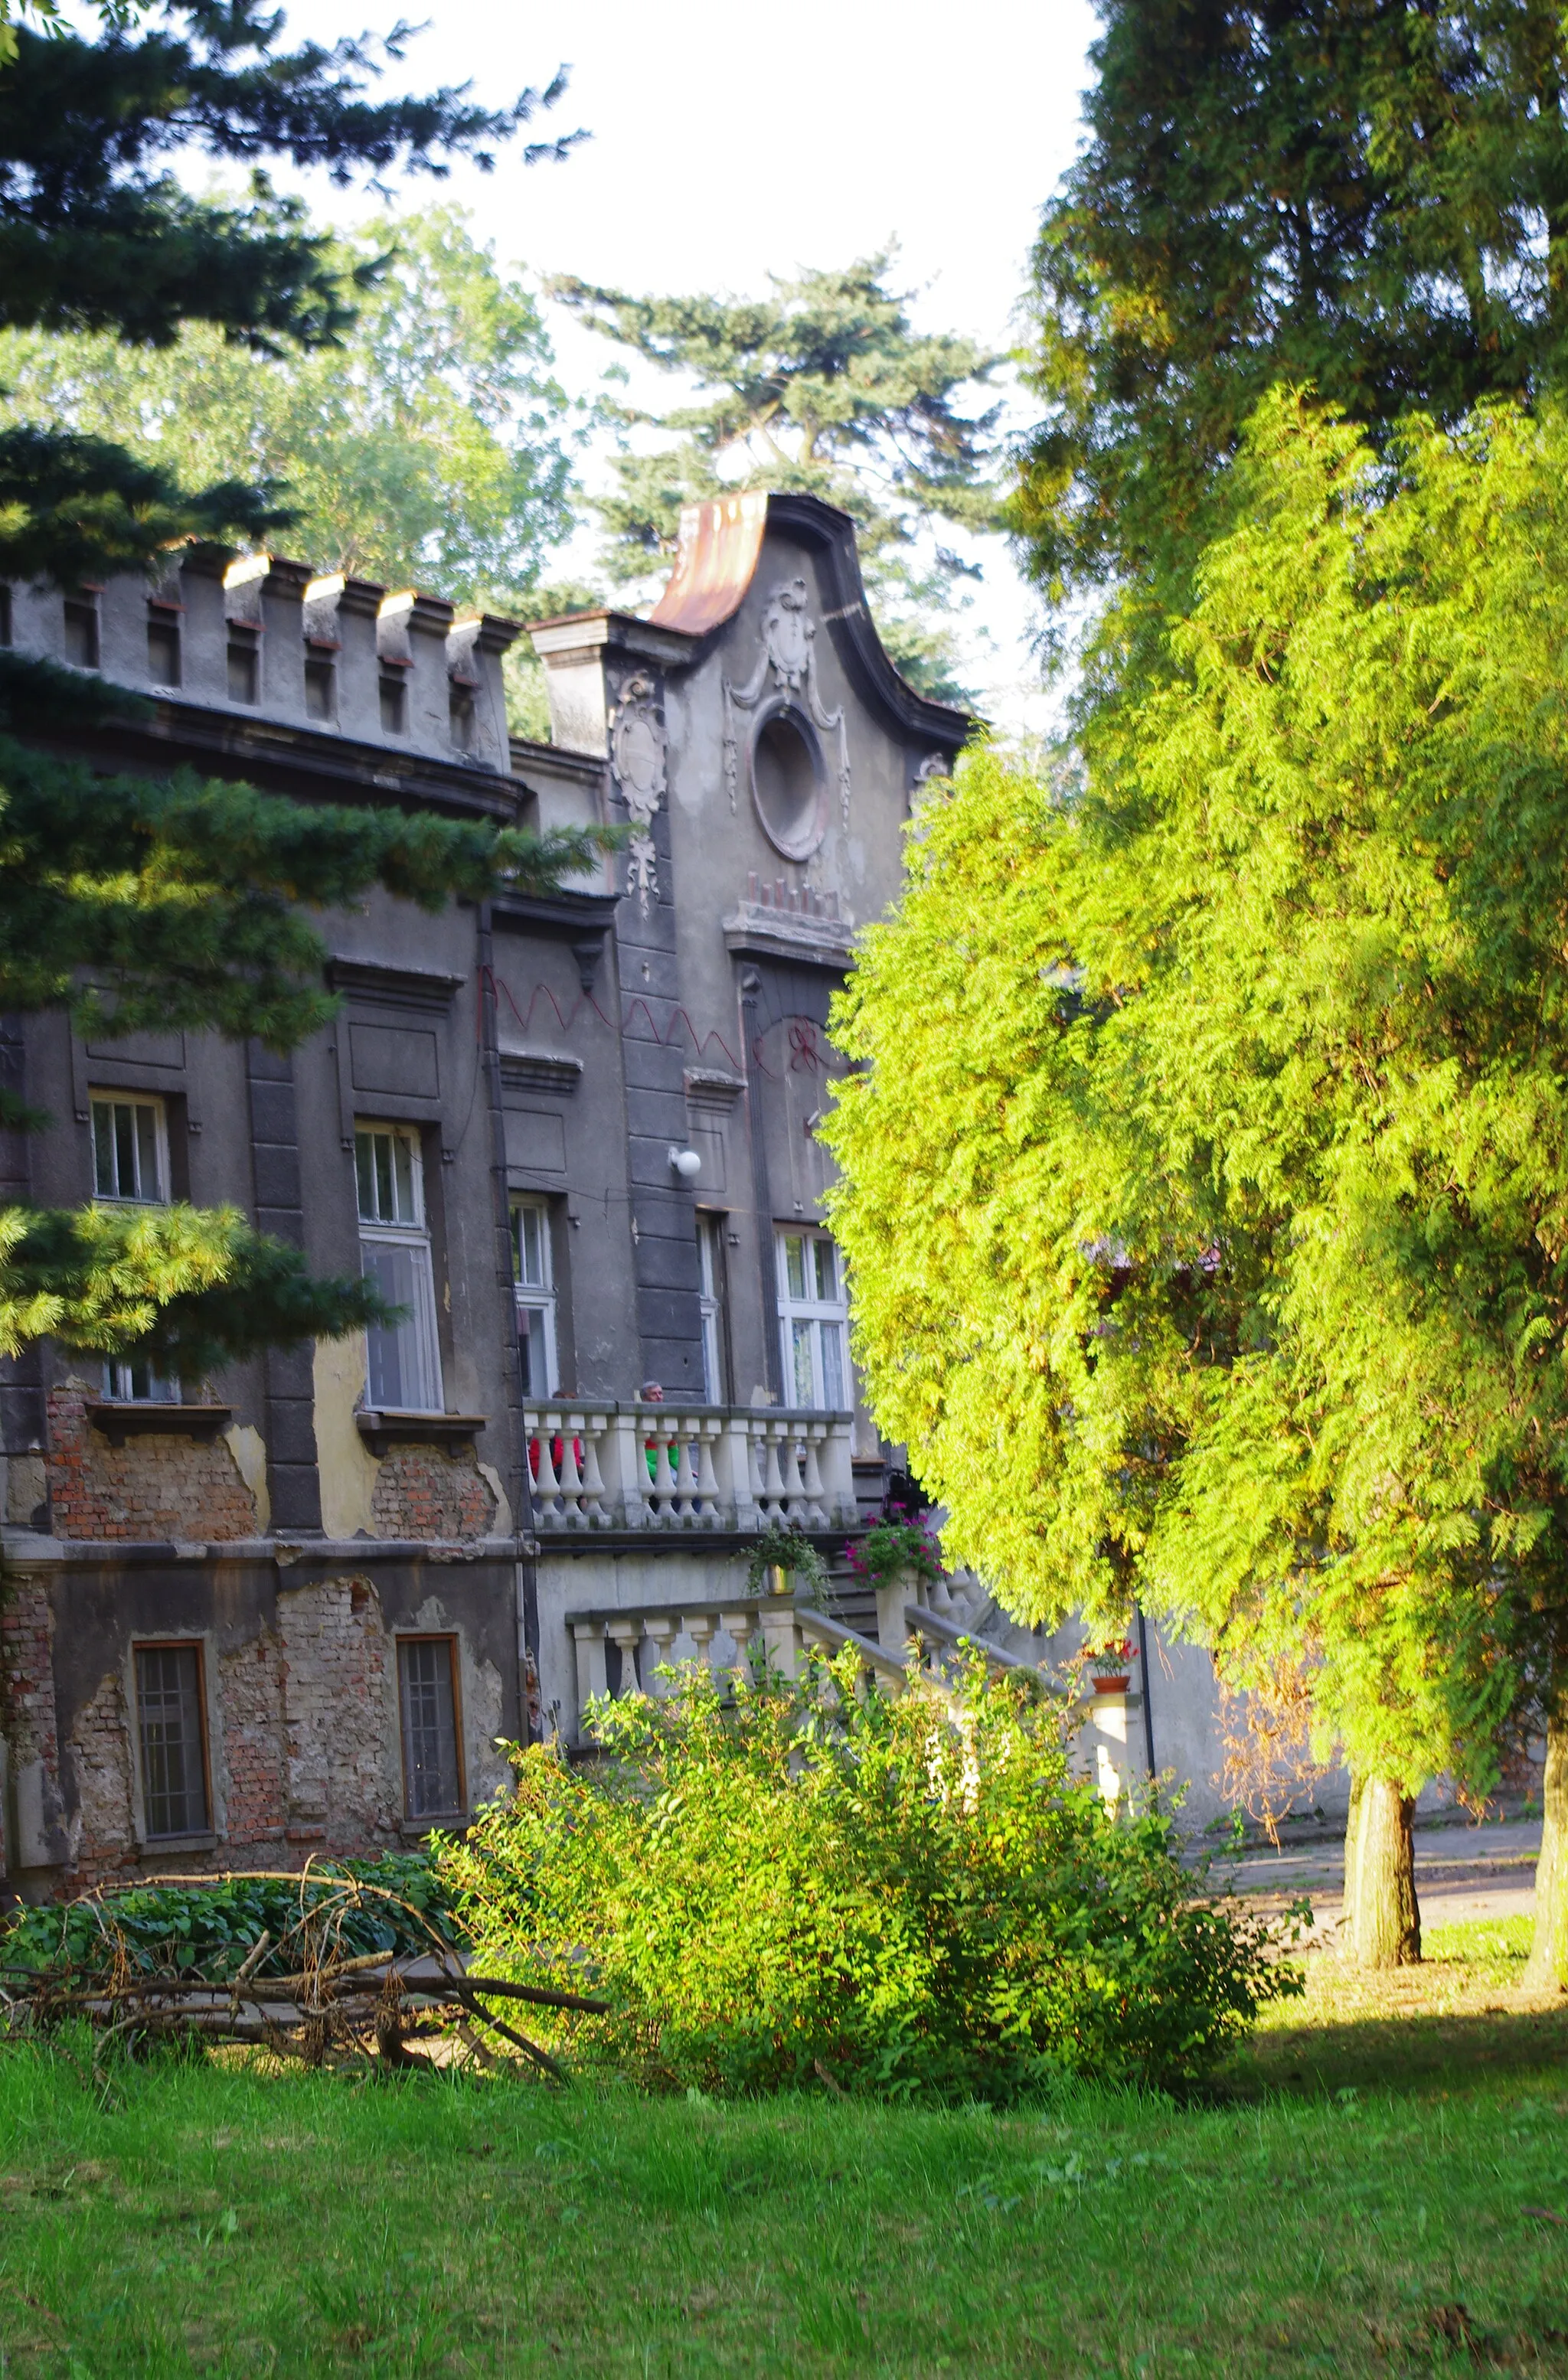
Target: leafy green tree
pixel 824 386
pixel 129 900
pixel 1205 1188
pixel 1367 195
pixel 428 445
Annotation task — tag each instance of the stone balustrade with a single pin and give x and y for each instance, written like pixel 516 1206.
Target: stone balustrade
pixel 621 1649
pixel 733 1634
pixel 637 1466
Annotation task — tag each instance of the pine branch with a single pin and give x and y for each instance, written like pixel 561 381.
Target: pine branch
pixel 74 509
pixel 176 905
pixel 188 1288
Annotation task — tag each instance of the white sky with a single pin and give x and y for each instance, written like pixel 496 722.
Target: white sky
pixel 728 142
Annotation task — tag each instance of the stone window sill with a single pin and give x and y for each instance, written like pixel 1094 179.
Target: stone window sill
pixel 381 1430
pixel 419 1830
pixel 165 1846
pixel 118 1422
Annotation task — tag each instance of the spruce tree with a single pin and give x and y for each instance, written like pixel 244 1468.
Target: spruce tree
pixel 131 901
pixel 825 386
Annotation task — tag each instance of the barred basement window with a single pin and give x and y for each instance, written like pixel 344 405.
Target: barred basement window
pixel 172 1740
pixel 432 1771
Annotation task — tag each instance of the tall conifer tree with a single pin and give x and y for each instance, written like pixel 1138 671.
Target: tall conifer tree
pixel 824 385
pixel 1368 196
pixel 127 900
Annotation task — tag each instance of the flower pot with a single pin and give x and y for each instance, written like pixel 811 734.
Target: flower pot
pixel 778 1578
pixel 1110 1685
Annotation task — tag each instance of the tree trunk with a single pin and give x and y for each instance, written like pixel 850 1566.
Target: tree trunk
pixel 1548 1949
pixel 1385 1924
pixel 1352 1829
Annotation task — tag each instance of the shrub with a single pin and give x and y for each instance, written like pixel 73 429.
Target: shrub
pixel 890 1897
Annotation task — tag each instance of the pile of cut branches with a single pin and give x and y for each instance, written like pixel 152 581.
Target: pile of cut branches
pixel 325 1965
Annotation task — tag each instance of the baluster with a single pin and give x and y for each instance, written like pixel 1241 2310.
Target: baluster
pixel 685 1480
pixel 741 1626
pixel 707 1481
pixel 660 1628
pixel 627 1636
pixel 701 1627
pixel 816 1511
pixel 593 1481
pixel 773 1491
pixel 588 1639
pixel 794 1500
pixel 571 1476
pixel 663 1477
pixel 546 1487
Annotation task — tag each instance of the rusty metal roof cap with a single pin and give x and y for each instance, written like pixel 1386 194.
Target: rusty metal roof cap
pixel 715 559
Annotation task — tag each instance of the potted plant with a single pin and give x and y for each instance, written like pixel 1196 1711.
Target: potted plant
pixel 1109 1666
pixel 779 1553
pixel 898 1548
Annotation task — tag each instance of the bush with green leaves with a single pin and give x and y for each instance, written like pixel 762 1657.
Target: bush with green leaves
pixel 208 1929
pixel 821 1886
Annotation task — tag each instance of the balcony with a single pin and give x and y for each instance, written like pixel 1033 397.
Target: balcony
pixel 687 1467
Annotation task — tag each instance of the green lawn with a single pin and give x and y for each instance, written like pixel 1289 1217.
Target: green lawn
pixel 1352 2199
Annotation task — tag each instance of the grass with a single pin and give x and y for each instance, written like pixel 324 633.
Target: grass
pixel 1353 2197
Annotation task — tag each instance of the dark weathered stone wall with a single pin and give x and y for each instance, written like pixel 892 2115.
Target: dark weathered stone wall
pixel 301 1677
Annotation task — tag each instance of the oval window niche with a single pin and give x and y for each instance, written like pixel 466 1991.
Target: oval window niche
pixel 789 781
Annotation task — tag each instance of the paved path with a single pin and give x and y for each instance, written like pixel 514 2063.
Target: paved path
pixel 1461 1873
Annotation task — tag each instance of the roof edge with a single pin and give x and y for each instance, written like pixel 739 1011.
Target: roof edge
pixel 721 546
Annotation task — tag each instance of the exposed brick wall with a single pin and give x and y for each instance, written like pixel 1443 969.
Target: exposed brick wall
pixel 423 1491
pixel 28 1716
pixel 339 1715
pixel 255 1791
pixel 306 1755
pixel 101 1756
pixel 152 1488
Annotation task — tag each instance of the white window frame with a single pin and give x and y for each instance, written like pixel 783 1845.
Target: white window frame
pixel 140 1195
pixel 405 1229
pixel 711 1299
pixel 130 1380
pixel 536 1296
pixel 804 1320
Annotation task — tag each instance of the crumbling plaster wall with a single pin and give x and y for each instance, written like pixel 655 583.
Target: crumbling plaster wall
pixel 301 1694
pixel 163 1488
